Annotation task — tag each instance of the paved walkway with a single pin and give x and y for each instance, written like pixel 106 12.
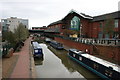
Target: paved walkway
pixel 22 68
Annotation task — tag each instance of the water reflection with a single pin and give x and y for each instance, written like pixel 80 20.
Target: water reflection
pixel 56 64
pixel 38 61
pixel 71 65
pixel 52 67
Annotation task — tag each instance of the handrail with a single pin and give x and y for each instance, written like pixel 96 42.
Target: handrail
pixel 106 42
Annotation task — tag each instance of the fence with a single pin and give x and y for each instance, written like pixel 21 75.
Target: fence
pixel 108 42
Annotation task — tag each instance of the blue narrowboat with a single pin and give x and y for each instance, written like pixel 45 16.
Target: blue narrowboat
pixel 102 68
pixel 37 50
pixel 56 45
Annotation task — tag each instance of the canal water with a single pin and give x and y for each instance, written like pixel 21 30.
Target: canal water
pixel 56 64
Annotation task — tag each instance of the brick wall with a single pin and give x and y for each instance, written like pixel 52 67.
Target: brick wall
pixel 110 52
pixel 119 28
pixel 74 44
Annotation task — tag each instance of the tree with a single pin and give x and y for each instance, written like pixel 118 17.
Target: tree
pixel 21 33
pixel 109 26
pixel 9 37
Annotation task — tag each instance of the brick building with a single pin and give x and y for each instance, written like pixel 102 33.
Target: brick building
pixel 91 31
pixel 87 26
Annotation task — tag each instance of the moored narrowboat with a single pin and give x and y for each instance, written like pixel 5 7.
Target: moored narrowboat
pixel 56 45
pixel 37 50
pixel 47 40
pixel 102 68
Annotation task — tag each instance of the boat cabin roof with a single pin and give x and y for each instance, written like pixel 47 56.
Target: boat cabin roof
pixel 77 51
pixel 36 45
pixel 103 62
pixel 98 60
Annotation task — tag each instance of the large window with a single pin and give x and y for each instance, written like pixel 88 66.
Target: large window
pixel 116 23
pixel 100 35
pixel 75 23
pixel 101 24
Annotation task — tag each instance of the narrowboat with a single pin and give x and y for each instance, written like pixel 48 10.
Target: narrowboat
pixel 102 68
pixel 37 50
pixel 47 40
pixel 56 45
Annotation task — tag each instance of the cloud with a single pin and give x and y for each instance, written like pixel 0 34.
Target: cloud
pixel 44 12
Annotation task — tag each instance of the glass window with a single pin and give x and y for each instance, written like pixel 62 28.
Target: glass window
pixel 116 23
pixel 95 66
pixel 36 51
pixel 101 24
pixel 100 34
pixel 73 55
pixel 108 73
pixel 80 58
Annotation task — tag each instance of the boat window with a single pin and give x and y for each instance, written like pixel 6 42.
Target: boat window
pixel 95 66
pixel 40 50
pixel 108 73
pixel 73 55
pixel 59 44
pixel 36 51
pixel 80 58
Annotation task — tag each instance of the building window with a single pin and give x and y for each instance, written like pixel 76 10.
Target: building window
pixel 107 36
pixel 75 23
pixel 100 35
pixel 116 23
pixel 101 24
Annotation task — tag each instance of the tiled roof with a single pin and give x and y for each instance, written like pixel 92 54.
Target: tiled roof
pixel 114 15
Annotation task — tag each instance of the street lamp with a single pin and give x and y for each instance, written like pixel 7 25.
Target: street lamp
pixel 81 30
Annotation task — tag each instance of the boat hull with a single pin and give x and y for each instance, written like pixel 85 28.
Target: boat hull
pixel 101 70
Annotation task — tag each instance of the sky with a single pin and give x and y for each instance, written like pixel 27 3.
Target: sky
pixel 43 12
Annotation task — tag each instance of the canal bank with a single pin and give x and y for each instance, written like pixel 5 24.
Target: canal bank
pixel 21 64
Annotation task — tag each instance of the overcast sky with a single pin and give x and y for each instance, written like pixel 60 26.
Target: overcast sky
pixel 43 12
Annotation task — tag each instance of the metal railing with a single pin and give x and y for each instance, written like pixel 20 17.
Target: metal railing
pixel 108 42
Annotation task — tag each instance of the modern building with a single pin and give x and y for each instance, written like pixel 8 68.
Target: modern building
pixel 87 26
pixel 12 23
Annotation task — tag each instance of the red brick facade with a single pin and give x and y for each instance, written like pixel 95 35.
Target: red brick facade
pixel 90 27
pixel 119 28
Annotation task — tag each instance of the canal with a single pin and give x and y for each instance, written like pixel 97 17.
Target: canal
pixel 56 64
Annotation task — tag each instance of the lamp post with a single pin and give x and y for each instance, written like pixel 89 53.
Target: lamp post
pixel 81 30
